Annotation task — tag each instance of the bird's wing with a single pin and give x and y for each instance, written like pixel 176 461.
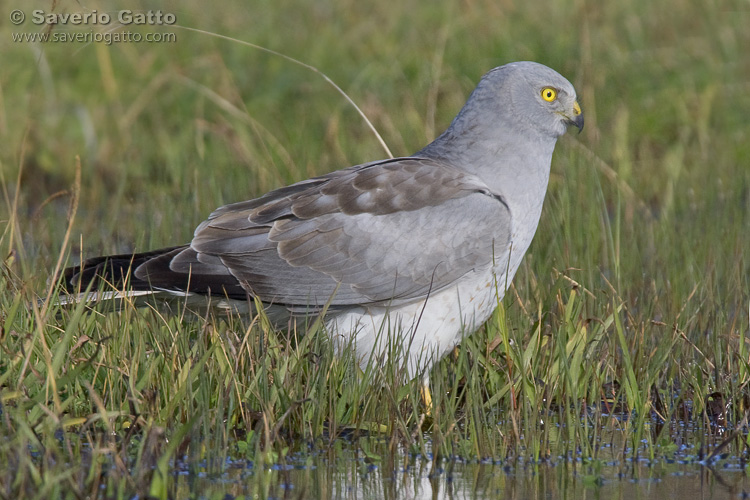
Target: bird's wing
pixel 389 231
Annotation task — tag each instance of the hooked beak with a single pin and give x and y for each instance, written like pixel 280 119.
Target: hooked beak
pixel 577 118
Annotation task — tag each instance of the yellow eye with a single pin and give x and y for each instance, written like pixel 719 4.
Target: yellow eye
pixel 549 94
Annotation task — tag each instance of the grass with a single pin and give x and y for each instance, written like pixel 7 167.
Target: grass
pixel 628 318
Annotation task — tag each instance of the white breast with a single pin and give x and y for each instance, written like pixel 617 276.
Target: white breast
pixel 420 333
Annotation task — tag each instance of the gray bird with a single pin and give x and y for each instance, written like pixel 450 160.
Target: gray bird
pixel 416 250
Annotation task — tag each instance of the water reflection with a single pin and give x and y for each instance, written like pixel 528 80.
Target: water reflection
pixel 345 474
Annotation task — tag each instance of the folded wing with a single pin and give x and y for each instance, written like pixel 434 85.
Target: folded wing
pixel 385 232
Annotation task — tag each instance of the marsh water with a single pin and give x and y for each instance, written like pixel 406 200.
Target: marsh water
pixel 341 469
pixel 346 479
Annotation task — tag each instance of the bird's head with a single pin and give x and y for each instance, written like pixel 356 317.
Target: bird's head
pixel 537 97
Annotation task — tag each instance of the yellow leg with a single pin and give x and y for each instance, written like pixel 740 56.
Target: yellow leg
pixel 426 397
